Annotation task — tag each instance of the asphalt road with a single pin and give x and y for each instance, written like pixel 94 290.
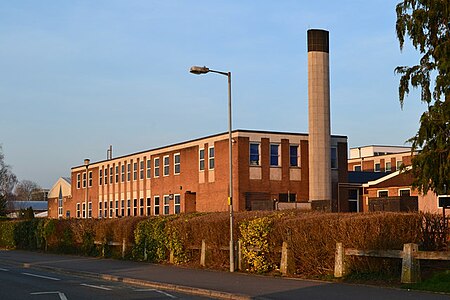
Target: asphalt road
pixel 29 283
pixel 81 277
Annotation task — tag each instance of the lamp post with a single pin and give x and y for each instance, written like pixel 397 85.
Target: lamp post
pixel 86 164
pixel 203 70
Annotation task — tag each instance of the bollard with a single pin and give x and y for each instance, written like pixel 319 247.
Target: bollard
pixel 171 257
pixel 124 246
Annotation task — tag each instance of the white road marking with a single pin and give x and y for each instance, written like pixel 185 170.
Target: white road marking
pixel 155 290
pixel 61 295
pixel 5 270
pixel 41 276
pixel 96 287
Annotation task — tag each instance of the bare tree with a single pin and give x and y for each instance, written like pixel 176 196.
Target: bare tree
pixel 7 182
pixel 25 190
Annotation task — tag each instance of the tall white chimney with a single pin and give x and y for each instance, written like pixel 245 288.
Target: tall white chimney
pixel 319 117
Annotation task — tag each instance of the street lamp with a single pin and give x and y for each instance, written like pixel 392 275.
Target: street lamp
pixel 203 70
pixel 86 164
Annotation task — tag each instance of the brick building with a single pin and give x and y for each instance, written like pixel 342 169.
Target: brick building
pixel 270 169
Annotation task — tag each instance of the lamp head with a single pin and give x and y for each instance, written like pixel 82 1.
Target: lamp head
pixel 199 70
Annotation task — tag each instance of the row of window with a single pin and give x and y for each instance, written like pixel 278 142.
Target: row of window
pixel 112 209
pixel 377 166
pixel 274 155
pixel 401 192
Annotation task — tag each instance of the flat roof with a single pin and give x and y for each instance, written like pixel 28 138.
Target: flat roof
pixel 211 136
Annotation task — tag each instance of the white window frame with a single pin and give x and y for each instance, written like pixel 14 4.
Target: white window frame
pixel 375 166
pixel 251 162
pixel 100 209
pixel 211 159
pixel 117 173
pixel 156 167
pixel 166 204
pixel 360 168
pixel 175 204
pixel 166 167
pixel 100 176
pixel 106 175
pixel 83 210
pixel 386 166
pixel 141 169
pixel 122 171
pixel 379 191
pixel 111 208
pixel 111 174
pixel 89 210
pixel 148 205
pixel 78 210
pixel 129 171
pixel 105 209
pixel 201 167
pixel 404 189
pixel 90 179
pixel 78 181
pixel 270 155
pixel 135 171
pixel 84 180
pixel 176 164
pixel 398 163
pixel 149 168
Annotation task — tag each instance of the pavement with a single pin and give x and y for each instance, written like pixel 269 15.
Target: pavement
pixel 208 283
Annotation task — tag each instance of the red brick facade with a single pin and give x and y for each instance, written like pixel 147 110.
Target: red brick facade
pixel 134 193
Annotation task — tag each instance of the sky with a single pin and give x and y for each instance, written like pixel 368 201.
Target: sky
pixel 77 76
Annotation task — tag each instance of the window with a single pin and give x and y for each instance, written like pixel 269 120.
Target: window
pixel 334 158
pixel 129 172
pixel 293 155
pixel 117 208
pixel 78 181
pixel 60 203
pixel 134 207
pixel 149 212
pixel 84 210
pixel 122 208
pixel 90 179
pixel 201 159
pixel 106 175
pixel 156 166
pixel 176 163
pixel 399 164
pixel 166 204
pixel 117 174
pixel 254 154
pixel 106 209
pixel 128 207
pixel 177 204
pixel 166 165
pixel 78 210
pixel 111 209
pixel 141 206
pixel 111 174
pixel 123 172
pixel 100 177
pixel 274 157
pixel 289 197
pixel 156 205
pixel 100 212
pixel 383 193
pixel 357 168
pixel 149 164
pixel 90 210
pixel 84 180
pixel 404 192
pixel 141 169
pixel 387 167
pixel 211 156
pixel 377 167
pixel 135 165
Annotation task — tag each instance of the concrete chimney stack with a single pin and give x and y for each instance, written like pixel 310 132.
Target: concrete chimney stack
pixel 319 117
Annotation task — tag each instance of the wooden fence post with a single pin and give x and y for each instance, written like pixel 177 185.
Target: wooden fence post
pixel 124 246
pixel 410 265
pixel 171 257
pixel 339 261
pixel 203 254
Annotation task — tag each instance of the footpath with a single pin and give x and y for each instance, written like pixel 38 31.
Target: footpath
pixel 208 283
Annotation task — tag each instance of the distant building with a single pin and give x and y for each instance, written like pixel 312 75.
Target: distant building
pixel 376 183
pixel 268 168
pixel 15 207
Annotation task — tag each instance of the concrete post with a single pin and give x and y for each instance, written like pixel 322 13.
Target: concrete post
pixel 124 247
pixel 203 254
pixel 287 265
pixel 410 265
pixel 339 261
pixel 171 257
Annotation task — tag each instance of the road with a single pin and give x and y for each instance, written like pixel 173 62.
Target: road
pixel 29 283
pixel 156 280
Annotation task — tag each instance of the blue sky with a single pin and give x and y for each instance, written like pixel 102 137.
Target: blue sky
pixel 77 76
